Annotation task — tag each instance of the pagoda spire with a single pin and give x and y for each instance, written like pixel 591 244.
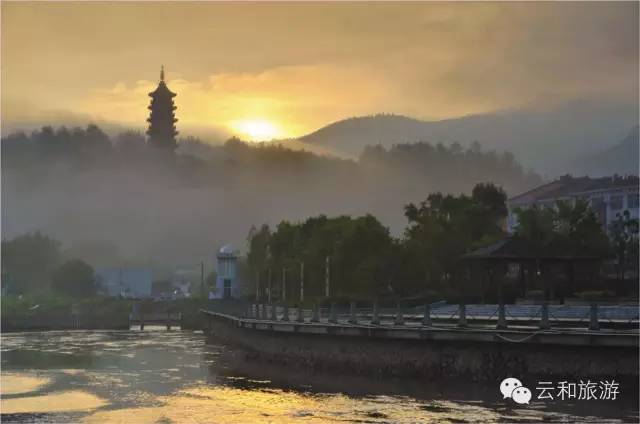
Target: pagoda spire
pixel 162 129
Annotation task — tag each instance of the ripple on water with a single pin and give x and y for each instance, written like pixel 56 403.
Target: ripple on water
pixel 231 405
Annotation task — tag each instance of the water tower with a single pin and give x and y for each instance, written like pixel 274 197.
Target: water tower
pixel 226 281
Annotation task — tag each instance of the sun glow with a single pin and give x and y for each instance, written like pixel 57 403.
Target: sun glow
pixel 256 129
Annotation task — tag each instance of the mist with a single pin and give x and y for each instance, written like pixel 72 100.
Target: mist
pixel 114 200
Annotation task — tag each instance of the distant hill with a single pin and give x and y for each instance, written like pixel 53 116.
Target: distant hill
pixel 350 136
pixel 621 158
pixel 545 141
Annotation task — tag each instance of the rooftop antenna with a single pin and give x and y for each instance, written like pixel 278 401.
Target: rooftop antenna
pixel 161 72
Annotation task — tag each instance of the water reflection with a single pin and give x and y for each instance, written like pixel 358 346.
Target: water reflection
pixel 74 400
pixel 160 376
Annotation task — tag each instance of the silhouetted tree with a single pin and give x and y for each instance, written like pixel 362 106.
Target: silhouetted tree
pixel 28 260
pixel 74 278
pixel 624 239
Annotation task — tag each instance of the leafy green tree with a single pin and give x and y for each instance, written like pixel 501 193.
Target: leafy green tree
pixel 536 224
pixel 359 250
pixel 565 228
pixel 445 226
pixel 74 278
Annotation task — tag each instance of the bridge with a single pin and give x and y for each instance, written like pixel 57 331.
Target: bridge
pixel 165 319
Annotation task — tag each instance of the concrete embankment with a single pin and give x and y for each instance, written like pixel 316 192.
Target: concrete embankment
pixel 473 354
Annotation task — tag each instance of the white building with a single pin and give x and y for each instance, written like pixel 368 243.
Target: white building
pixel 186 280
pixel 608 197
pixel 132 283
pixel 226 281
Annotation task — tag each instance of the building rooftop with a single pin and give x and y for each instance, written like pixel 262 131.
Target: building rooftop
pixel 226 250
pixel 569 186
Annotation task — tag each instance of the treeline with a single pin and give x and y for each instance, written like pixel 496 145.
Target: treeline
pixel 365 262
pixel 452 166
pixel 83 186
pixel 90 148
pixel 34 264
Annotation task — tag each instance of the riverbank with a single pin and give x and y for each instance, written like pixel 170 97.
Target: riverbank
pixel 474 355
pixel 44 313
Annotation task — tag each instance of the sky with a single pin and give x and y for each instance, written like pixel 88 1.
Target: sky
pixel 279 70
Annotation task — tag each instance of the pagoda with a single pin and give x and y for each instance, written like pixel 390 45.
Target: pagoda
pixel 162 130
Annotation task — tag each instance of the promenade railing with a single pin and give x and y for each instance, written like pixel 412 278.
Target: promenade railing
pixel 543 316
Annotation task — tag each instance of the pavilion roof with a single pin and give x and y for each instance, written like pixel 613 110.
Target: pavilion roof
pixel 516 248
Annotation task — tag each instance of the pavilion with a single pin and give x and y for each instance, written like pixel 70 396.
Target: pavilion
pixel 532 262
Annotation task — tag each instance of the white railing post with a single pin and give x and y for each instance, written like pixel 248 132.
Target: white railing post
pixel 426 319
pixel 594 324
pixel 502 317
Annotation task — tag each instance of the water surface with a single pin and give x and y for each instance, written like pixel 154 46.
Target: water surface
pixel 174 377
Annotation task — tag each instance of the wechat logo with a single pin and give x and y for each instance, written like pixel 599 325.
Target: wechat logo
pixel 513 388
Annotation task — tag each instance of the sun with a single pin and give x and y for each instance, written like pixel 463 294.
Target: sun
pixel 256 129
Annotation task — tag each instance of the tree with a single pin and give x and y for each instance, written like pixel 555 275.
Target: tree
pixel 624 237
pixel 74 278
pixel 492 197
pixel 578 229
pixel 359 250
pixel 444 227
pixel 258 241
pixel 28 260
pixel 565 228
pixel 536 224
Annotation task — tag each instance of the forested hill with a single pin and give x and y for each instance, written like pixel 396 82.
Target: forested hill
pixel 621 158
pixel 548 141
pixel 82 186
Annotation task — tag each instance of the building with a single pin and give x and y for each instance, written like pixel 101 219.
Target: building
pixel 187 280
pixel 134 283
pixel 226 280
pixel 162 130
pixel 608 196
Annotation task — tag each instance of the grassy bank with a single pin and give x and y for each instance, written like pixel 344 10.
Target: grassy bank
pixel 46 312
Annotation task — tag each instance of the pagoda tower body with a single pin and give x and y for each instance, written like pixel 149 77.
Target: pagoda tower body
pixel 162 129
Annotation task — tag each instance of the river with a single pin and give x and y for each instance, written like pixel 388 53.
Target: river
pixel 155 376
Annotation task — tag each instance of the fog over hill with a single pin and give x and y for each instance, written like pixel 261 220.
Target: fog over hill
pixel 623 157
pixel 113 200
pixel 546 141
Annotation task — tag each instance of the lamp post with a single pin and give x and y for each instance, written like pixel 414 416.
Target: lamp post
pixel 269 286
pixel 327 266
pixel 284 284
pixel 258 286
pixel 301 283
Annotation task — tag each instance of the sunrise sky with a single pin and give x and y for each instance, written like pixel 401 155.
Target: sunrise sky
pixel 283 70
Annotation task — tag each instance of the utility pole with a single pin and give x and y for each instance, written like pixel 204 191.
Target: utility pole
pixel 202 279
pixel 269 287
pixel 301 282
pixel 257 286
pixel 284 284
pixel 327 265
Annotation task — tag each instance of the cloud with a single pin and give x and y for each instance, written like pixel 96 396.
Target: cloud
pixel 308 64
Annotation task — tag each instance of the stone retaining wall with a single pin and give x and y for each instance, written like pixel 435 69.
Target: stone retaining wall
pixel 429 358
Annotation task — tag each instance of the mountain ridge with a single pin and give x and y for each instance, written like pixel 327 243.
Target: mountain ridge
pixel 546 141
